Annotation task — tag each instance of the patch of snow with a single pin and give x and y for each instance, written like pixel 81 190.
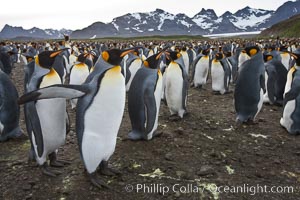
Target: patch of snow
pixel 185 23
pixel 295 10
pixel 257 11
pixel 200 21
pixel 137 29
pixel 127 28
pixel 137 16
pixel 150 29
pixel 93 37
pixel 252 20
pixel 115 25
pixel 48 32
pixel 144 22
pixel 163 17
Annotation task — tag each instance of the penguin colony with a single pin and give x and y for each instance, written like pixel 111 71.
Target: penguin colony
pixel 96 76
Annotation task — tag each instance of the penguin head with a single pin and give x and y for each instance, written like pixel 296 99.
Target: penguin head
pixel 67 38
pixel 153 61
pixel 251 50
pixel 47 58
pixel 115 56
pixel 219 56
pixel 205 52
pixel 173 55
pixel 228 54
pixel 296 56
pixel 283 48
pixel 267 57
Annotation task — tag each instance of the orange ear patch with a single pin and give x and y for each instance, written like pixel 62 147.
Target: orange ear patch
pixel 146 63
pixel 253 52
pixel 269 58
pixel 105 55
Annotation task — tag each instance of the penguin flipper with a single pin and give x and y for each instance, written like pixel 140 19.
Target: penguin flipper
pixel 150 104
pixel 294 91
pixel 262 82
pixel 35 127
pixel 193 65
pixel 55 91
pixel 270 86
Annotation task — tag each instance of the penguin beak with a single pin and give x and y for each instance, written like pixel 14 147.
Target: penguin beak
pixel 127 51
pixel 57 52
pixel 162 51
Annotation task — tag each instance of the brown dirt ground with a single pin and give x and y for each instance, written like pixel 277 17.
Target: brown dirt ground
pixel 199 150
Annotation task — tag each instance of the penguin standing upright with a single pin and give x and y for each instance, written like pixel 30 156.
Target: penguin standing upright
pixel 133 64
pixel 250 86
pixel 291 111
pixel 285 57
pixel 102 95
pixel 243 56
pixel 220 74
pixel 9 109
pixel 176 84
pixel 186 59
pixel 144 98
pixel 80 71
pixel 200 69
pixel 275 80
pixel 46 118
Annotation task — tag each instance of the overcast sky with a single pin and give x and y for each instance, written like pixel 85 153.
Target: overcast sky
pixel 73 15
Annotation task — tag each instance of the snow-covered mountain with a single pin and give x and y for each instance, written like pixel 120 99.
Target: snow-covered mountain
pixel 9 32
pixel 160 22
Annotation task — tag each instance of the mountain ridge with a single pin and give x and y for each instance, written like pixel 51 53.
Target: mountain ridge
pixel 160 22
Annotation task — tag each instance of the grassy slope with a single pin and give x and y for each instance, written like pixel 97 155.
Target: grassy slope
pixel 286 28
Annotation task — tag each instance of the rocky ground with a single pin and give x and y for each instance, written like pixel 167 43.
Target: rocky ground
pixel 192 155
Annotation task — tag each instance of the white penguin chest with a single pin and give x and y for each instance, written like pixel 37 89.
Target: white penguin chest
pixel 79 73
pixel 107 107
pixel 217 75
pixel 289 80
pixel 174 85
pixel 201 68
pixel 102 119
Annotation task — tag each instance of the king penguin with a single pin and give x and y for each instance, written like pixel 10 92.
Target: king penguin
pixel 9 109
pixel 200 69
pixel 250 86
pixel 185 58
pixel 102 95
pixel 275 80
pixel 144 97
pixel 176 84
pixel 133 64
pixel 46 120
pixel 80 71
pixel 220 74
pixel 291 111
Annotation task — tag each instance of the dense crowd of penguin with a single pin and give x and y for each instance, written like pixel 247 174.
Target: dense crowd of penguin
pixel 95 77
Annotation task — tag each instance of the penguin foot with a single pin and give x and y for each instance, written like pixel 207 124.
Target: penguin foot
pixel 250 122
pixel 59 163
pixel 49 172
pixel 157 134
pixel 98 182
pixel 134 136
pixel 174 118
pixel 105 170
